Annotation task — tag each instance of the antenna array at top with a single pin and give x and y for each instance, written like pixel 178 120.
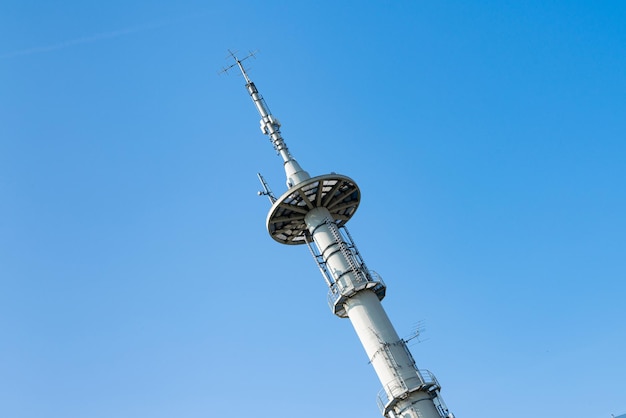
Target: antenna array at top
pixel 238 61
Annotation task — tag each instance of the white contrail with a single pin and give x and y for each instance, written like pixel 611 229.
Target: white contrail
pixel 83 40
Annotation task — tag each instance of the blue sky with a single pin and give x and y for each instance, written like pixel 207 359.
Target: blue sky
pixel 488 140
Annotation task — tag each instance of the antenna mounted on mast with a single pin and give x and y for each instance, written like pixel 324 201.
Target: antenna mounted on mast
pixel 416 334
pixel 270 126
pixel 238 63
pixel 266 189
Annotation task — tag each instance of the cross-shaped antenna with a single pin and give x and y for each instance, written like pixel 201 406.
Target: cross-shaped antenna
pixel 238 63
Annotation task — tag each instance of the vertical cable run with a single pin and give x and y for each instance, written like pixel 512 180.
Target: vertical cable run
pixel 347 253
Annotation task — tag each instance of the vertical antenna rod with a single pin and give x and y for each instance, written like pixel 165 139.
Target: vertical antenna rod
pixel 266 189
pixel 271 126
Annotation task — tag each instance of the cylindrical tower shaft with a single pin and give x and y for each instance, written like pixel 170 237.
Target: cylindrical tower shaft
pixel 387 352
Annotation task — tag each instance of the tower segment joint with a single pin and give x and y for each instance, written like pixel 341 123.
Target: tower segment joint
pixel 428 385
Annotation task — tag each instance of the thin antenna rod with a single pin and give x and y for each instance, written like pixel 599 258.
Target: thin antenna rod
pixel 266 189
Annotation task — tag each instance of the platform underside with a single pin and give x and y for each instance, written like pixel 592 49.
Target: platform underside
pixel 339 194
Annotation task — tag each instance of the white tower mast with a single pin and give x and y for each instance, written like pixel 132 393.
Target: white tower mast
pixel 314 211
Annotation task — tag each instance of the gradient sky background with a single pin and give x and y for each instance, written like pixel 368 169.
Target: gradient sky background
pixel 138 279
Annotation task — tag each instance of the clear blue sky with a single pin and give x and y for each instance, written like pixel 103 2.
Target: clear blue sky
pixel 138 280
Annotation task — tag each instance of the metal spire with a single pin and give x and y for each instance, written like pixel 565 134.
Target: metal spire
pixel 271 126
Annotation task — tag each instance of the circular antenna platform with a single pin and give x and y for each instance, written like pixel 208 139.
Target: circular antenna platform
pixel 339 194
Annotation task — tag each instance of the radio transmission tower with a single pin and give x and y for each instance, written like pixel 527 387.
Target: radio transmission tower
pixel 314 212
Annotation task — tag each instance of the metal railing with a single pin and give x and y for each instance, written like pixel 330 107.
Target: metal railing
pixel 338 289
pixel 396 390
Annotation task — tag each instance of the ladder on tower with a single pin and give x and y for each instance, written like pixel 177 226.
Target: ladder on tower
pixel 347 253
